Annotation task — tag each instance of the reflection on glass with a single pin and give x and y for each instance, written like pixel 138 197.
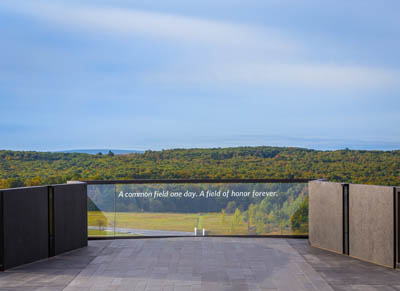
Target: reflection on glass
pixel 101 210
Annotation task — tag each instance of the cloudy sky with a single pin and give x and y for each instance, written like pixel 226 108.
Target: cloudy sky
pixel 177 73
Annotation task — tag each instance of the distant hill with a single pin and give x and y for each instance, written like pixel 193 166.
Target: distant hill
pixel 103 151
pixel 19 168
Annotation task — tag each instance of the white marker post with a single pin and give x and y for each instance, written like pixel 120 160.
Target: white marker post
pixel 195 231
pixel 204 232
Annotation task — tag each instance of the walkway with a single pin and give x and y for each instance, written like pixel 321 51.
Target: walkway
pixel 198 263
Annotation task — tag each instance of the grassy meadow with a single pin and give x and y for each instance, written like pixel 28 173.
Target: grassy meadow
pixel 98 232
pixel 214 223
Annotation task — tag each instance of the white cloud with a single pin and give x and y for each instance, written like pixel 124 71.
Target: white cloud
pixel 222 53
pixel 310 75
pixel 127 23
pixel 316 76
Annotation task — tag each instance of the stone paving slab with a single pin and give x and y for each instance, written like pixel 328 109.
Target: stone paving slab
pixel 200 263
pixel 345 273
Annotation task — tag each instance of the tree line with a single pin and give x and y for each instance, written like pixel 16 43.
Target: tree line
pixel 28 168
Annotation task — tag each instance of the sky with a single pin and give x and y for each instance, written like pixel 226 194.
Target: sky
pixel 212 73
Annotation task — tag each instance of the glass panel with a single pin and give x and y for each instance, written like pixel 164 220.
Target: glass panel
pixel 154 210
pixel 211 208
pixel 101 210
pixel 294 209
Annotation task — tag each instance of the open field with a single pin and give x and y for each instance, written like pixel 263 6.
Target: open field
pixel 97 232
pixel 214 223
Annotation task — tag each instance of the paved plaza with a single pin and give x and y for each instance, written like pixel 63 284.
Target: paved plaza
pixel 200 263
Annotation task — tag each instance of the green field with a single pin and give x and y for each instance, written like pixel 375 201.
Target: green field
pixel 213 223
pixel 100 232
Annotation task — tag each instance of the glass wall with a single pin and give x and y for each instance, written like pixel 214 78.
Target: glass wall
pixel 101 210
pixel 198 209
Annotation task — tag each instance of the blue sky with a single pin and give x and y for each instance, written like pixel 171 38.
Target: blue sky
pixel 211 73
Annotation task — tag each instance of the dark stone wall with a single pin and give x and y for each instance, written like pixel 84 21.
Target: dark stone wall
pixel 70 217
pixel 38 222
pixel 25 225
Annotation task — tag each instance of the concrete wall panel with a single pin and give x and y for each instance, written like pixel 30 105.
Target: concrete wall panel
pixel 371 223
pixel 25 225
pixel 326 215
pixel 70 217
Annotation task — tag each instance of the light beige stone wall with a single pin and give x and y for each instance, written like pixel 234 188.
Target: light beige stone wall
pixel 326 215
pixel 371 223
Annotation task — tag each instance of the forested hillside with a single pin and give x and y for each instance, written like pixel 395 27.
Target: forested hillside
pixel 19 168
